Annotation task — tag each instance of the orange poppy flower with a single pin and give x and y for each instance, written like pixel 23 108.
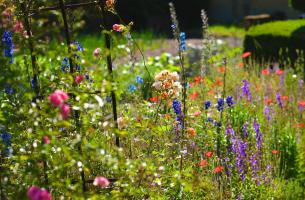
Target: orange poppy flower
pixel 218 169
pixel 203 163
pixel 194 95
pixel 209 154
pixel 218 82
pixel 265 71
pixel 246 54
pixel 154 99
pixel 197 113
pixel 284 98
pixel 222 69
pixel 268 101
pixel 241 65
pixel 197 80
pixel 301 125
pixel 191 132
pixel 274 152
pixel 301 104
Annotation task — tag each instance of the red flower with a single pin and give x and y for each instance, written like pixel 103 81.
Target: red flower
pixel 197 113
pixel 197 80
pixel 274 152
pixel 279 72
pixel 218 169
pixel 209 154
pixel 241 65
pixel 265 71
pixel 191 132
pixel 246 54
pixel 194 95
pixel 118 27
pixel 154 99
pixel 203 163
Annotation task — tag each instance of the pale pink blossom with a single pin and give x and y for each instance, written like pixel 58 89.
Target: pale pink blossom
pixel 97 52
pixel 101 181
pixel 118 27
pixel 46 139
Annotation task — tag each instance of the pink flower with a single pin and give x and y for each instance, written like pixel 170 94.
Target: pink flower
pixel 118 27
pixel 58 97
pixel 79 79
pixel 18 27
pixel 65 111
pixel 36 193
pixel 46 139
pixel 101 181
pixel 97 52
pixel 197 113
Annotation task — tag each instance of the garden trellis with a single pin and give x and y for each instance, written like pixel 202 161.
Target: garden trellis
pixel 62 6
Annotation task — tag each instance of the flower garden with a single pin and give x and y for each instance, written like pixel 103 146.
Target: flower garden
pixel 98 119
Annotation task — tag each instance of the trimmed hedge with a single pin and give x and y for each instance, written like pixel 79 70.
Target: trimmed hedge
pixel 276 41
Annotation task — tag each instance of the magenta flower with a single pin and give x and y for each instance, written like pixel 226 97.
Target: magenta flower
pixel 101 181
pixel 65 111
pixel 58 98
pixel 36 193
pixel 79 79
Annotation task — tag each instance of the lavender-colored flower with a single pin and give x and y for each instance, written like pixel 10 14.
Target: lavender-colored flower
pixel 246 93
pixel 230 101
pixel 259 135
pixel 65 64
pixel 207 104
pixel 245 130
pixel 278 99
pixel 220 104
pixel 266 112
pixel 230 132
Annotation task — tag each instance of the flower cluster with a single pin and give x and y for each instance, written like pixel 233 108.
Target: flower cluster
pixel 182 41
pixel 57 99
pixel 246 93
pixel 167 83
pixel 9 45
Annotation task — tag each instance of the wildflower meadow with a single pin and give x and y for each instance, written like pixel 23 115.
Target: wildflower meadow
pixel 84 118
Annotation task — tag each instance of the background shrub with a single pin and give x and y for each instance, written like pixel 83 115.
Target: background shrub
pixel 276 41
pixel 298 4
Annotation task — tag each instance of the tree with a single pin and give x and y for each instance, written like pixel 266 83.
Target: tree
pixel 298 4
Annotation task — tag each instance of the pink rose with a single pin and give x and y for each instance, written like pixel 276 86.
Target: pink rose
pixel 36 193
pixel 65 111
pixel 58 97
pixel 97 52
pixel 101 181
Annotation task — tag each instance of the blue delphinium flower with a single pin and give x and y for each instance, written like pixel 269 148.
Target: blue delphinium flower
pixel 139 80
pixel 177 107
pixel 182 41
pixel 34 81
pixel 108 99
pixel 132 88
pixel 65 64
pixel 230 101
pixel 79 46
pixel 9 90
pixel 9 45
pixel 259 135
pixel 6 138
pixel 278 99
pixel 220 104
pixel 207 104
pixel 173 26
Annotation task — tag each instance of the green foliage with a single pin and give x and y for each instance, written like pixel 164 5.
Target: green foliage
pixel 276 41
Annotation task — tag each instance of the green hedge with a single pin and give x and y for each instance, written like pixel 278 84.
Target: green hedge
pixel 276 41
pixel 298 4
